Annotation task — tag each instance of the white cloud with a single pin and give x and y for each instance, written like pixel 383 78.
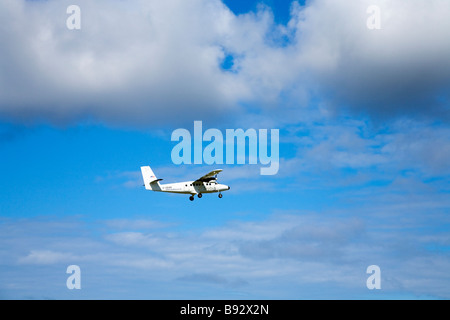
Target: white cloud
pixel 42 257
pixel 128 63
pixel 344 152
pixel 140 62
pixel 419 147
pixel 398 70
pixel 259 258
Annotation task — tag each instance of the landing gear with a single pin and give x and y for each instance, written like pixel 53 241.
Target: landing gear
pixel 199 195
pixel 191 198
pixel 220 195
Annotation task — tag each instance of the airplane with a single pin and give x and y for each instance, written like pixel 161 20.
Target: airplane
pixel 205 184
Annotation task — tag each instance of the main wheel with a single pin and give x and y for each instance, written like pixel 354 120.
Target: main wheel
pixel 199 195
pixel 220 195
pixel 191 198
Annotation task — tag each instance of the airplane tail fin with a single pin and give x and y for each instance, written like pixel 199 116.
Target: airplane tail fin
pixel 149 177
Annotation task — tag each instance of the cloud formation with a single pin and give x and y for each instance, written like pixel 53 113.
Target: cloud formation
pixel 130 62
pixel 140 62
pixel 278 256
pixel 400 69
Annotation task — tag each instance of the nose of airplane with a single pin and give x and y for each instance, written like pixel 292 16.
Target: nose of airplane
pixel 228 188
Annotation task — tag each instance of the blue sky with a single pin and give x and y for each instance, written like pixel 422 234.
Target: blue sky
pixel 364 146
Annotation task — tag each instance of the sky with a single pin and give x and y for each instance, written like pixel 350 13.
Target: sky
pixel 364 143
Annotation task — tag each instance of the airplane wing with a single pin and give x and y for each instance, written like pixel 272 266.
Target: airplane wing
pixel 209 176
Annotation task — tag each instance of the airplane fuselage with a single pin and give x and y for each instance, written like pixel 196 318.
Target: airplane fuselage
pixel 189 187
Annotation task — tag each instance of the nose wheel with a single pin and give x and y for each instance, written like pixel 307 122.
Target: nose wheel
pixel 220 195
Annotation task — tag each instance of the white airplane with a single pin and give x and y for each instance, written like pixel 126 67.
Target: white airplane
pixel 206 184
